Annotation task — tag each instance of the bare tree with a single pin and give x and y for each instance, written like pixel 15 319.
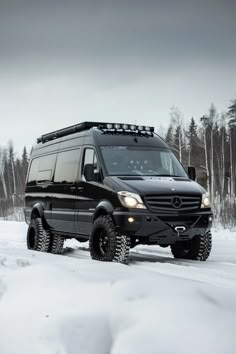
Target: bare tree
pixel 232 125
pixel 204 121
pixel 4 187
pixel 177 122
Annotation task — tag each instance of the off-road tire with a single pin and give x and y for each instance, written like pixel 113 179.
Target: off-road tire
pixel 38 239
pixel 57 243
pixel 116 248
pixel 199 248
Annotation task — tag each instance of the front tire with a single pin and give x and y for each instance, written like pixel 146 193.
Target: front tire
pixel 38 239
pixel 199 248
pixel 106 244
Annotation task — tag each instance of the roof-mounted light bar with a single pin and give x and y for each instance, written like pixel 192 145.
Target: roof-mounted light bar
pixel 107 127
pixel 126 127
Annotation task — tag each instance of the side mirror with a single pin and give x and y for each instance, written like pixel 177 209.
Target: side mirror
pixel 192 173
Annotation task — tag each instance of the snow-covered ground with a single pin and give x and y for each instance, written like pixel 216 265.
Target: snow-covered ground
pixel 70 304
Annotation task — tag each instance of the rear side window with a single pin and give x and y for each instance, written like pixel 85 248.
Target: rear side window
pixel 41 169
pixel 32 178
pixel 67 167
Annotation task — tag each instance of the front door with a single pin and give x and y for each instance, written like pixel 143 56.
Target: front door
pixel 90 190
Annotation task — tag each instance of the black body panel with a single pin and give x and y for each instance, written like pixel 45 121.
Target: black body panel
pixel 69 207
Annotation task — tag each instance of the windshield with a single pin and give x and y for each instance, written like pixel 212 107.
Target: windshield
pixel 144 161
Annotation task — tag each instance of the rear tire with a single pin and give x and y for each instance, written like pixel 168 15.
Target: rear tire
pixel 57 243
pixel 199 248
pixel 106 244
pixel 38 239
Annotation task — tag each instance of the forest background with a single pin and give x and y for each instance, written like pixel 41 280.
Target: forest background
pixel 207 142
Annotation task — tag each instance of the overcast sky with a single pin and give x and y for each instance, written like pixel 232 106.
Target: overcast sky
pixel 63 62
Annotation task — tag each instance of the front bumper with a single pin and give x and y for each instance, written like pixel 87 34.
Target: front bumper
pixel 161 228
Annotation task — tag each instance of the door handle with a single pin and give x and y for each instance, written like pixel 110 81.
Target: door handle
pixel 76 188
pixel 72 188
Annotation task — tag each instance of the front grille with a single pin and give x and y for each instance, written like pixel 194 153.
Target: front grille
pixel 172 203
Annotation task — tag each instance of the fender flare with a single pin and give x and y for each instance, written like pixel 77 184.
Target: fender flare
pixel 37 210
pixel 104 207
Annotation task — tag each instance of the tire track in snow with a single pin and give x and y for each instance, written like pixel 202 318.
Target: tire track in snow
pixel 210 272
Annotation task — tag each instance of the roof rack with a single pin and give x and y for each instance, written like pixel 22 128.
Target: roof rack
pixel 106 127
pixel 67 131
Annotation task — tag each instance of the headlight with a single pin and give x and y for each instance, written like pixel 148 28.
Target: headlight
pixel 131 200
pixel 205 201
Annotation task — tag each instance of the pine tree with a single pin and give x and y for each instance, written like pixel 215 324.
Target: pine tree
pixel 193 140
pixel 11 169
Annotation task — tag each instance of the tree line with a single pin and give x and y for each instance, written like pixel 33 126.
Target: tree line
pixel 13 172
pixel 208 143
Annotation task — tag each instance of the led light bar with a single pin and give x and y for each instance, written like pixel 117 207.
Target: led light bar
pixel 125 127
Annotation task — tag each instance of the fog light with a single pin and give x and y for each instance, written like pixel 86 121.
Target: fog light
pixel 130 219
pixel 210 218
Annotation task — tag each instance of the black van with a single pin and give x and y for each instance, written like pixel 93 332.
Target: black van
pixel 116 185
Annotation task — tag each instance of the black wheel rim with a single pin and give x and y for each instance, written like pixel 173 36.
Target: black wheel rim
pixel 103 242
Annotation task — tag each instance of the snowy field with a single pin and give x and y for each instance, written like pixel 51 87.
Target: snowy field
pixel 69 304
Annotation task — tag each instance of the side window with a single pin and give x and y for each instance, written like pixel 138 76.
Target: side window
pixel 90 166
pixel 41 169
pixel 32 177
pixel 67 166
pixel 45 168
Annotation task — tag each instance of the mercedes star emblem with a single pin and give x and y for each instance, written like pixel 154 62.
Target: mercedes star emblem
pixel 176 202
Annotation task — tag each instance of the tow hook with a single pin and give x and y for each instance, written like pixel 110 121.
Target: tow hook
pixel 180 229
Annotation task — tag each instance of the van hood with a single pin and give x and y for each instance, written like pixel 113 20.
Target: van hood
pixel 145 185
